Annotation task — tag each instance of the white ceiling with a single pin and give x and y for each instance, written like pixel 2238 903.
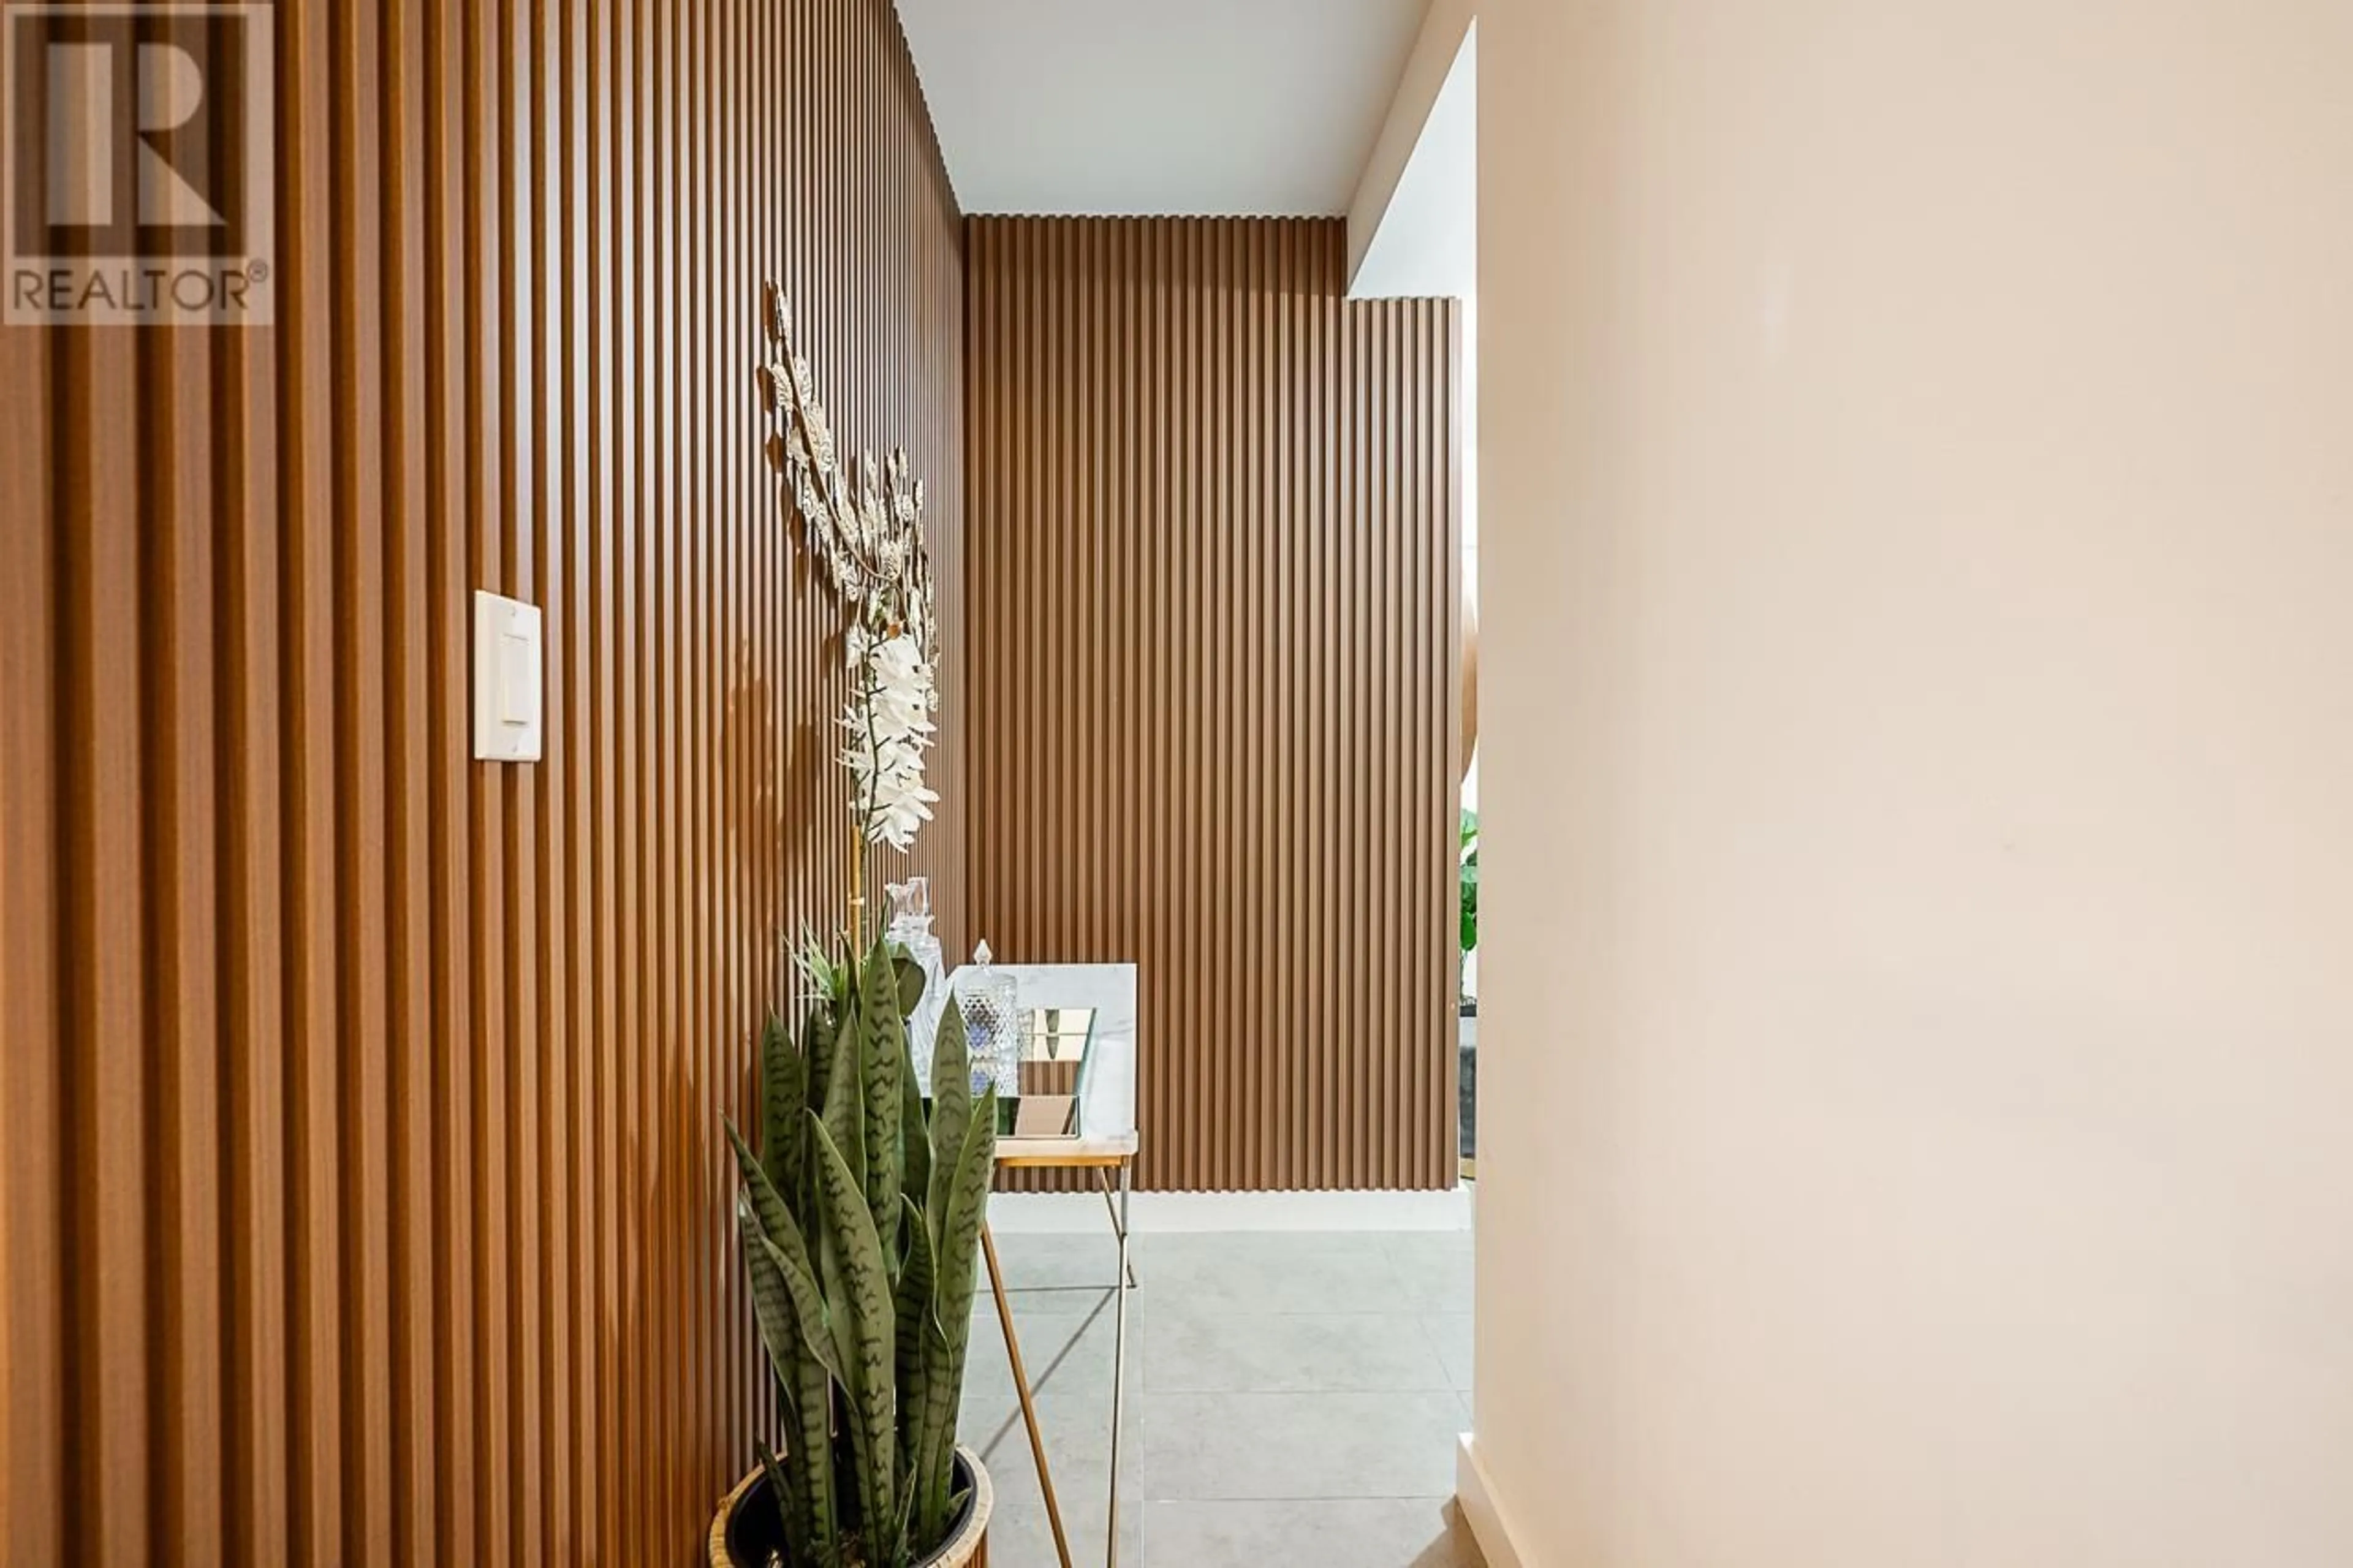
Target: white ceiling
pixel 1158 106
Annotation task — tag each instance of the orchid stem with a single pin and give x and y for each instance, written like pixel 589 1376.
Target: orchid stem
pixel 865 828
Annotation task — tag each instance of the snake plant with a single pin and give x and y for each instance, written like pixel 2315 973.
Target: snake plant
pixel 861 1215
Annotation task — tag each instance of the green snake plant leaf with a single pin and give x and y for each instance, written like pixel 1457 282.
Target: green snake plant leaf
pixel 910 978
pixel 883 1046
pixel 811 1319
pixel 906 1520
pixel 785 1305
pixel 928 1523
pixel 913 1311
pixel 783 1090
pixel 915 1141
pixel 777 1227
pixel 868 1338
pixel 955 1269
pixel 817 1059
pixel 767 1204
pixel 772 1301
pixel 844 1106
pixel 791 1505
pixel 809 1364
pixel 958 1262
pixel 951 1113
pixel 819 1365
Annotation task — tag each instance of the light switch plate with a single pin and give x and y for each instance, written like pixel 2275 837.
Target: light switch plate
pixel 508 688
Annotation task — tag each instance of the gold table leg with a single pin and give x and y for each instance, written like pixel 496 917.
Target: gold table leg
pixel 1118 1221
pixel 1121 1284
pixel 1021 1386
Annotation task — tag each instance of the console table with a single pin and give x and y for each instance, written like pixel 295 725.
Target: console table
pixel 1107 1140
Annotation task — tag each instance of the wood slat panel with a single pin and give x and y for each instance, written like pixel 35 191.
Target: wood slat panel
pixel 362 1194
pixel 1215 546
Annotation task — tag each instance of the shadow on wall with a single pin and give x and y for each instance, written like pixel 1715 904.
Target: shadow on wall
pixel 758 756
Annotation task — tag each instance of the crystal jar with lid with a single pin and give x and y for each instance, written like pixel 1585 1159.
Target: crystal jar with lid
pixel 989 999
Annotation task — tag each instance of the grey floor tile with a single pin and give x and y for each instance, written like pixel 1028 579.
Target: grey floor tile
pixel 1192 1352
pixel 1246 1445
pixel 1059 1348
pixel 1050 1302
pixel 1283 1391
pixel 1078 1436
pixel 1455 1244
pixel 1432 1270
pixel 1077 1430
pixel 1258 1272
pixel 1422 1532
pixel 1020 1535
pixel 1450 1333
pixel 1044 1261
pixel 1076 1424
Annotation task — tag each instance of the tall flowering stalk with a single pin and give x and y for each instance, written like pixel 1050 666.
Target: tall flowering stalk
pixel 864 524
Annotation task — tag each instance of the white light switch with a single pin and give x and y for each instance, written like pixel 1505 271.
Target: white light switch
pixel 518 662
pixel 507 685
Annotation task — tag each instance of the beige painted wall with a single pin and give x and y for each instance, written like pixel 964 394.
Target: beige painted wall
pixel 1917 1049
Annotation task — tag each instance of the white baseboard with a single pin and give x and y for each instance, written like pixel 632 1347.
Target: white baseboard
pixel 1474 1494
pixel 1177 1212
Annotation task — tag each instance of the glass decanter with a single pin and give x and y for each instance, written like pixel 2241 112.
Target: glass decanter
pixel 910 927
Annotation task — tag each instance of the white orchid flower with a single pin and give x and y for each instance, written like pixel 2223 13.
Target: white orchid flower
pixel 889 728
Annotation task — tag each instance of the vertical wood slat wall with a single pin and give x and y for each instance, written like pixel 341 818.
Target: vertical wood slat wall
pixel 1214 586
pixel 361 1186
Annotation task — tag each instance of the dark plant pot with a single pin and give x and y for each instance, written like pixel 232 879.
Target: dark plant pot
pixel 1467 1044
pixel 748 1533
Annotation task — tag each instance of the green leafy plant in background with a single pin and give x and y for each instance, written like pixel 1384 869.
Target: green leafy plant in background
pixel 1470 858
pixel 861 1215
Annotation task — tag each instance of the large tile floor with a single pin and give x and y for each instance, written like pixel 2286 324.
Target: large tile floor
pixel 1292 1398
